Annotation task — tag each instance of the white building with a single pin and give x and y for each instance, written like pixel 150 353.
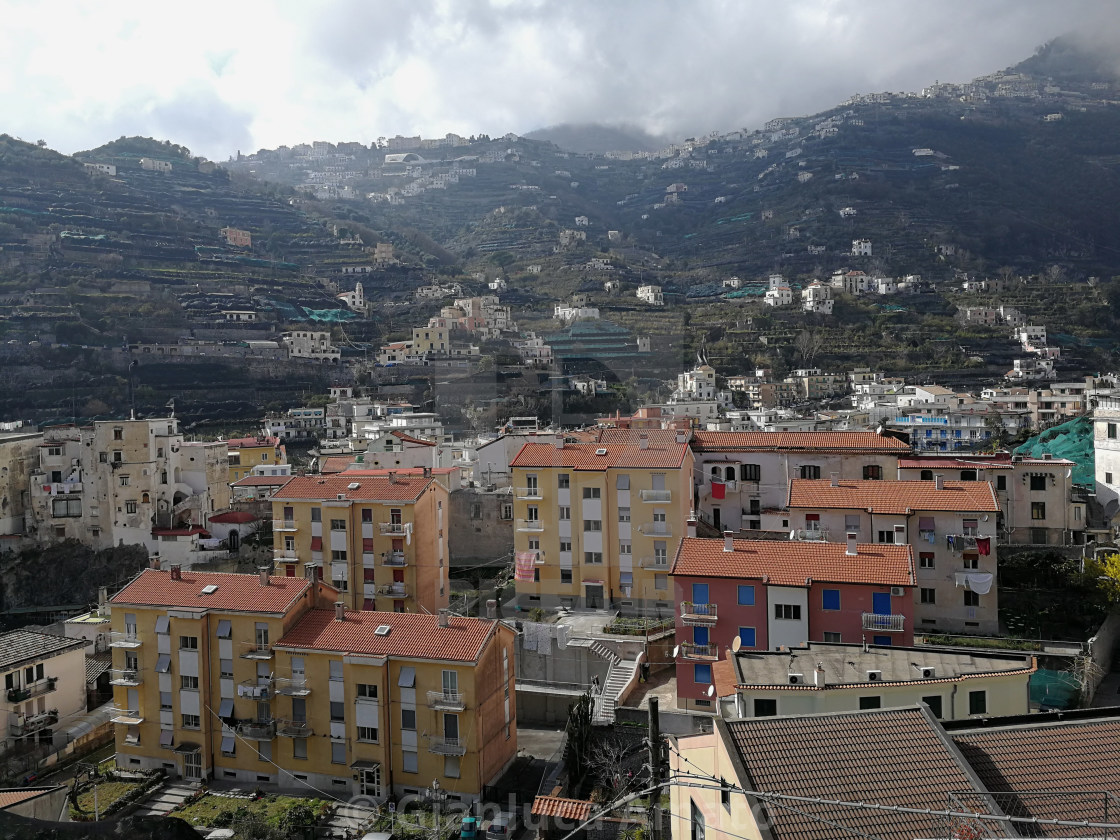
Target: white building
pixel 1106 450
pixel 651 295
pixel 861 247
pixel 355 300
pixel 817 298
pixel 310 345
pixel 778 296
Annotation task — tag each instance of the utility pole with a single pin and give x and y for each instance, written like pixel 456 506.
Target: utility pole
pixel 654 771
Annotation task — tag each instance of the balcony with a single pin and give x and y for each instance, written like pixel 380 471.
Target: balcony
pixel 294 729
pixel 394 559
pixel 527 492
pixel 393 590
pixel 29 724
pixel 730 485
pixel 127 639
pixel 698 615
pixel 18 695
pixel 128 717
pixel 254 690
pixel 284 525
pixel 291 686
pixel 125 676
pixel 656 563
pixel 655 529
pixel 884 623
pixel 531 525
pixel 250 650
pixel 691 650
pixel 257 730
pixel 447 746
pixel 654 496
pixel 810 534
pixel 451 701
pixel 398 529
pixel 285 554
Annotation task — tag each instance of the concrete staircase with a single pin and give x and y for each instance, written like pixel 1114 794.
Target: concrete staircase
pixel 618 676
pixel 160 803
pixel 349 820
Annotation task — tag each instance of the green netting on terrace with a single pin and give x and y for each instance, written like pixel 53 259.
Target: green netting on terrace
pixel 1053 689
pixel 1072 440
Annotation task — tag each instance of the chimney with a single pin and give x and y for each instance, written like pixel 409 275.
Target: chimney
pixel 851 550
pixel 176 571
pixel 153 561
pixel 643 441
pixel 939 482
pixel 728 541
pixel 818 676
pixel 264 570
pixel 690 527
pixel 491 608
pixel 442 618
pixel 427 472
pixel 339 611
pixel 834 479
pixel 682 435
pixel 559 441
pixel 392 477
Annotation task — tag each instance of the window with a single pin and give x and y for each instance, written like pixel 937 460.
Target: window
pixel 408 719
pixel 338 524
pixel 746 595
pixel 625 548
pixel 66 507
pixel 593 557
pixel 977 702
pixel 928 595
pixel 103 457
pixel 118 456
pixel 188 643
pixel 123 480
pixel 971 560
pixel 299 748
pixel 564 512
pixel 698 830
pixel 409 761
pixel 451 766
pixel 1112 431
pixel 130 507
pixel 336 670
pixel 724 793
pixel 702 673
pixel 338 752
pixel 874 702
pixel 532 513
pixel 337 711
pixel 812 522
pixel 366 691
pixel 188 683
pixel 624 514
pixel 563 481
pixel 1107 478
pixel 851 523
pixel 970 527
pixel 872 472
pixel 788 612
pixel 165 700
pixel 507 511
pixel 968 475
pixel 622 482
pixel 661 582
pixel 831 637
pixel 118 434
pixel 591 493
pixel 565 575
pixel 367 733
pixel 830 599
pixel 1038 510
pixel 590 525
pixel 810 471
pixel 971 599
pixel 925 559
pixel 192 722
pixel 765 707
pixel 934 703
pixel 338 556
pixel 885 537
pixel 1001 484
pixel 750 472
pixel 1038 481
pixel 747 637
pixel 225 668
pixel 565 546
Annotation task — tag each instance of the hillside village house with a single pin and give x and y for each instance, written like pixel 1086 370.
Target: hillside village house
pixel 379 539
pixel 771 594
pixel 311 345
pixel 249 452
pixel 1106 451
pixel 264 681
pixel 44 687
pixel 596 524
pixel 950 525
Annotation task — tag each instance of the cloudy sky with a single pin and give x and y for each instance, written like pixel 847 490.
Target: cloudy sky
pixel 241 74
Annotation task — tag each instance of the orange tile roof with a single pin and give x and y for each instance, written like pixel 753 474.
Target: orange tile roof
pixel 802 441
pixel 262 481
pixel 238 443
pixel 893 496
pixel 13 796
pixel 583 456
pixel 413 635
pixel 953 463
pixel 656 437
pixel 405 488
pixel 575 810
pixel 235 593
pixel 791 563
pixel 407 438
pixel 335 463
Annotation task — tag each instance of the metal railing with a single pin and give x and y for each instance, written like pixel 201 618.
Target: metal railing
pixel 254 650
pixel 530 525
pixel 692 613
pixel 884 623
pixel 398 528
pixel 129 717
pixel 393 558
pixel 257 691
pixel 126 639
pixel 284 525
pixel 27 724
pixel 294 729
pixel 447 746
pixel 291 686
pixel 691 650
pixel 655 529
pixel 285 554
pixel 657 495
pixel 527 492
pixel 258 730
pixel 451 700
pixel 397 590
pixel 35 689
pixel 125 676
pixel 810 534
pixel 656 562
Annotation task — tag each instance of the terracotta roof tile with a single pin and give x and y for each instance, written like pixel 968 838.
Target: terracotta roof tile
pixel 574 810
pixel 235 593
pixel 370 488
pixel 263 481
pixel 891 756
pixel 804 441
pixel 18 646
pixel 893 496
pixel 658 437
pixel 413 635
pixel 790 563
pixel 952 463
pixel 245 442
pixel 335 463
pixel 407 438
pixel 584 456
pixel 233 517
pixel 13 796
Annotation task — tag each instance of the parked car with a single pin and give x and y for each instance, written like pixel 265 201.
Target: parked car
pixel 502 827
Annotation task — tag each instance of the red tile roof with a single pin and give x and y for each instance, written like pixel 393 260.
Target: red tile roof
pixel 235 593
pixel 791 563
pixel 893 496
pixel 407 438
pixel 335 463
pixel 952 463
pixel 238 443
pixel 413 635
pixel 233 517
pixel 262 481
pixel 13 796
pixel 574 810
pixel 658 437
pixel 584 456
pixel 892 756
pixel 405 488
pixel 179 532
pixel 803 441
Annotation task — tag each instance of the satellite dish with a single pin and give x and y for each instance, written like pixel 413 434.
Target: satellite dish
pixel 984 518
pixel 676 651
pixel 736 643
pixel 1069 473
pixel 711 690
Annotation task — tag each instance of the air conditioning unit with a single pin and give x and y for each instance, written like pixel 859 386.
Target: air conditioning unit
pixel 874 676
pixel 341 497
pixel 898 591
pixel 929 673
pixel 796 679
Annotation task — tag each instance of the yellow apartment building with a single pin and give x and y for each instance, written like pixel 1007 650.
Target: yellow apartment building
pixel 246 453
pixel 597 524
pixel 263 680
pixel 381 540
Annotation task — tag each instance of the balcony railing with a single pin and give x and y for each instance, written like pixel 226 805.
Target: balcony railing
pixel 691 650
pixel 698 614
pixel 29 724
pixel 254 690
pixel 447 746
pixel 284 525
pixel 395 590
pixel 884 623
pixel 252 650
pixel 527 492
pixel 285 554
pixel 129 717
pixel 532 525
pixel 35 689
pixel 397 528
pixel 810 534
pixel 294 729
pixel 395 559
pixel 657 495
pixel 655 529
pixel 126 639
pixel 258 730
pixel 291 686
pixel 446 700
pixel 657 563
pixel 125 676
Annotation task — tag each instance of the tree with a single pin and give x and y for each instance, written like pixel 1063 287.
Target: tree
pixel 808 344
pixel 577 743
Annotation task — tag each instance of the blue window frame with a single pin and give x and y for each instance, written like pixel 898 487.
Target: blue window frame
pixel 830 599
pixel 700 635
pixel 746 595
pixel 746 637
pixel 699 593
pixel 702 673
pixel 880 640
